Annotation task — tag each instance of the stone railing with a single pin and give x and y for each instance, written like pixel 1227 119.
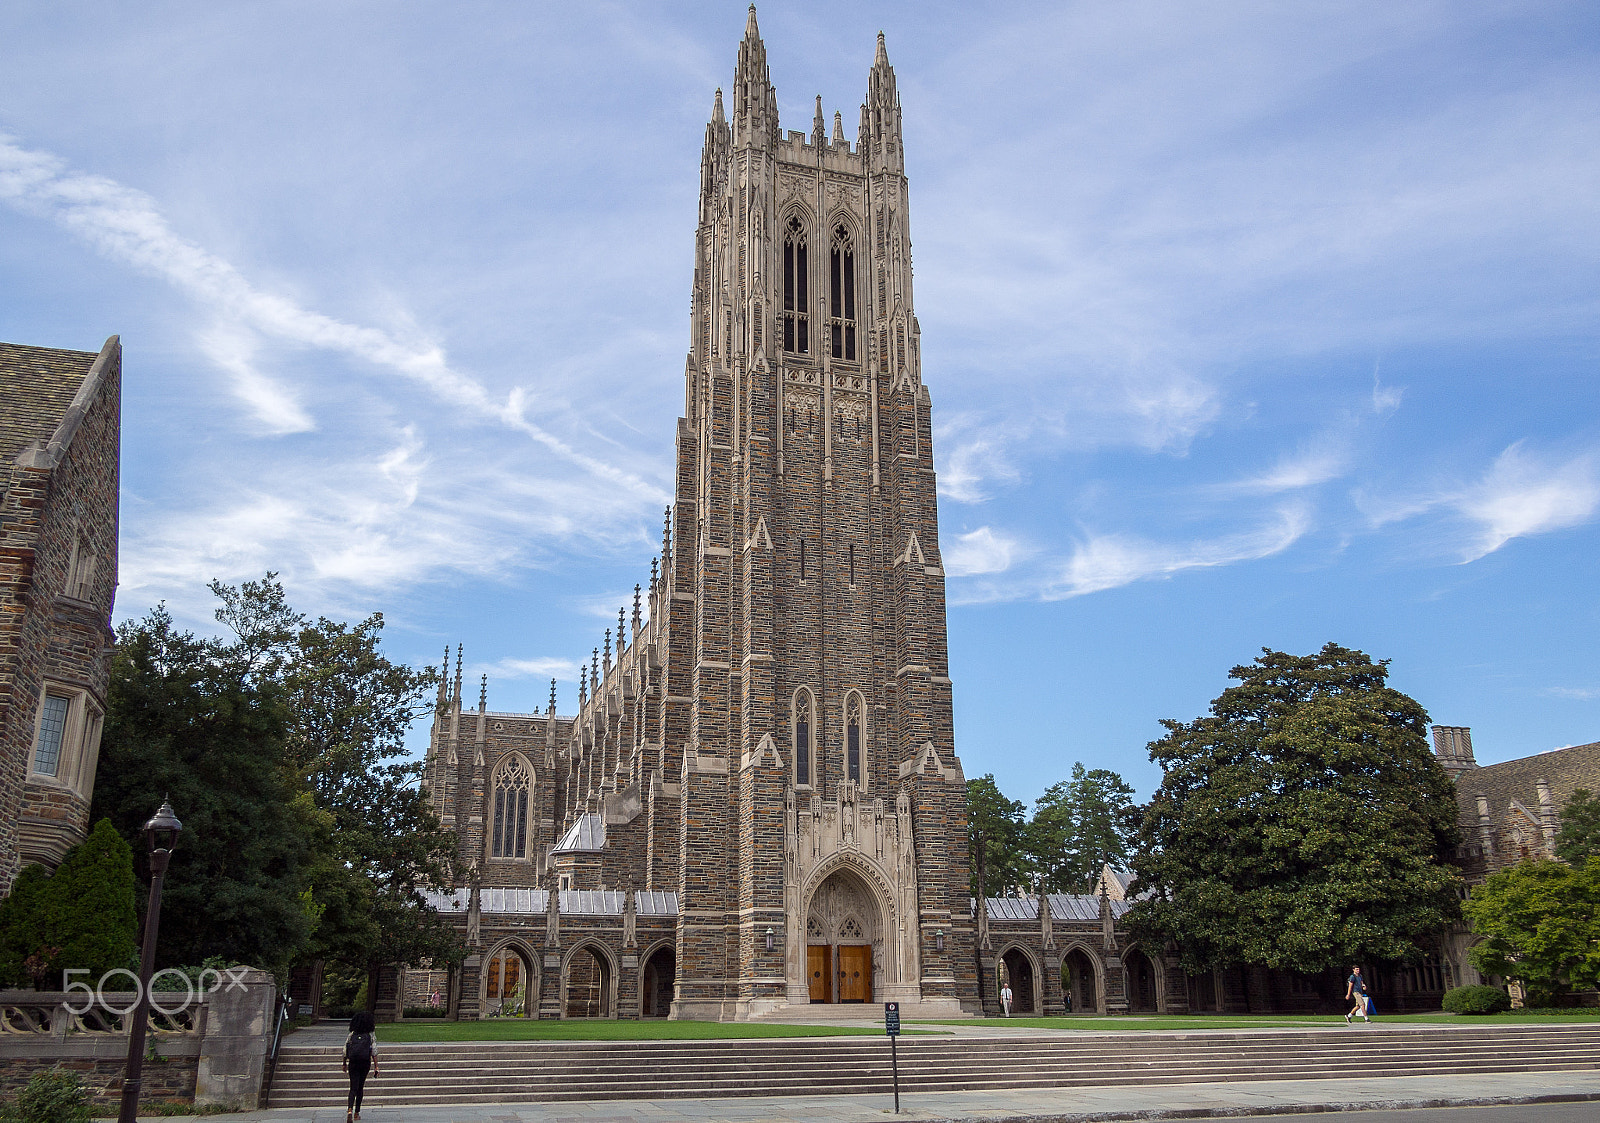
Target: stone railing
pixel 207 1049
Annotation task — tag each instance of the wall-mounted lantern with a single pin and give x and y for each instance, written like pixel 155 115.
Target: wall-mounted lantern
pixel 938 940
pixel 769 939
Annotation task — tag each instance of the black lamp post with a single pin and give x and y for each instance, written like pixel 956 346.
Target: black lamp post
pixel 162 834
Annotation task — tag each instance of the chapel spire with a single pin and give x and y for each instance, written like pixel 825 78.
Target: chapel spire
pixel 755 103
pixel 881 113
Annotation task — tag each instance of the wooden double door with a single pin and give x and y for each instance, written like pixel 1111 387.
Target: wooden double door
pixel 839 972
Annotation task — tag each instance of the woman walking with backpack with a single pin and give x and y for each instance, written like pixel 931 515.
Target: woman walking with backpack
pixel 360 1053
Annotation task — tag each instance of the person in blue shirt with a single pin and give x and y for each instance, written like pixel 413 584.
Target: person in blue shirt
pixel 1355 992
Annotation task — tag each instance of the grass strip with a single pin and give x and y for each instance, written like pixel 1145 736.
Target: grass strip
pixel 1186 1023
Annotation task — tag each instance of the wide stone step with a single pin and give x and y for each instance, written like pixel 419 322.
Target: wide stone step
pixel 510 1072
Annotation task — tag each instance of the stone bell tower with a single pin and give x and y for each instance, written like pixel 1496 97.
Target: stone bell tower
pixel 806 678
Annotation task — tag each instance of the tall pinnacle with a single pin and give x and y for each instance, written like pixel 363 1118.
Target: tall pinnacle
pixel 883 52
pixel 717 117
pixel 819 130
pixel 751 31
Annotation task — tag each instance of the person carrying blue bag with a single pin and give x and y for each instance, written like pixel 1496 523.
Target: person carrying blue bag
pixel 1355 991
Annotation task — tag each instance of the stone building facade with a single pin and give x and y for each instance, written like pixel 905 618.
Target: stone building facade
pixel 60 436
pixel 761 774
pixel 1510 812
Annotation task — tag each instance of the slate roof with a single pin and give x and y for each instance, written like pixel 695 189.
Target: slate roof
pixel 591 902
pixel 1565 770
pixel 37 385
pixel 571 902
pixel 588 833
pixel 1063 906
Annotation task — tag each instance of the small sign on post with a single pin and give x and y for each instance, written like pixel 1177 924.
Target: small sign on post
pixel 891 1026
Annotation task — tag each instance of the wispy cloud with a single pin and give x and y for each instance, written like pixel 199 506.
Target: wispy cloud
pixel 1523 495
pixel 1575 693
pixel 128 226
pixel 979 552
pixel 1323 458
pixel 540 667
pixel 1108 561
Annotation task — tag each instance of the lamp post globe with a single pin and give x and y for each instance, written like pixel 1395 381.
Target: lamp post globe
pixel 161 834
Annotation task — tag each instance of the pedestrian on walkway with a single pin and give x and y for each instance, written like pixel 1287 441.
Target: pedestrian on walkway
pixel 1005 998
pixel 360 1054
pixel 1355 992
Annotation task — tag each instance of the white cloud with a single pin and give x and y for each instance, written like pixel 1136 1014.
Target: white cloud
pixel 1575 693
pixel 982 551
pixel 275 406
pixel 539 667
pixel 1322 459
pixel 1522 495
pixel 1108 561
pixel 127 225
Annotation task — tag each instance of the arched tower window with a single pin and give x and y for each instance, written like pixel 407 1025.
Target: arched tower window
pixel 853 734
pixel 842 295
pixel 804 721
pixel 796 282
pixel 508 833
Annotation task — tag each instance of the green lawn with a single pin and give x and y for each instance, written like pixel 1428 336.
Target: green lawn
pixel 1181 1023
pixel 601 1029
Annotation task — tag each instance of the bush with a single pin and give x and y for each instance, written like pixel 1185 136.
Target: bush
pixel 1476 1000
pixel 426 1011
pixel 340 1013
pixel 80 916
pixel 55 1096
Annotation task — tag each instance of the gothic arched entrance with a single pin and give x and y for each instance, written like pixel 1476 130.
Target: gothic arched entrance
pixel 507 984
pixel 656 985
pixel 1017 969
pixel 1077 979
pixel 588 984
pixel 844 939
pixel 1141 983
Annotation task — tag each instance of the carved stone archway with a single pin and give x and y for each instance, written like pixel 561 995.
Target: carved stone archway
pixel 845 930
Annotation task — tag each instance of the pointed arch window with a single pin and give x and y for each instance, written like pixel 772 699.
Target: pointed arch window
pixel 852 737
pixel 796 283
pixel 805 720
pixel 842 295
pixel 508 833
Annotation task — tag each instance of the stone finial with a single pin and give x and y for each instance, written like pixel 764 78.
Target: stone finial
pixel 458 675
pixel 882 57
pixel 607 663
pixel 666 540
pixel 751 31
pixel 483 693
pixel 583 688
pixel 622 630
pixel 654 562
pixel 637 617
pixel 838 127
pixel 594 671
pixel 552 696
pixel 717 116
pixel 819 128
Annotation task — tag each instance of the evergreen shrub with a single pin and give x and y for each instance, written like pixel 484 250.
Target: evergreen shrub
pixel 54 1096
pixel 1476 1000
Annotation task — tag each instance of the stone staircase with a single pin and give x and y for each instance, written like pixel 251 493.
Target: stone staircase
pixel 529 1072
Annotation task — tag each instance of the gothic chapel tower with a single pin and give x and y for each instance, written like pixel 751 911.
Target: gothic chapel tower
pixel 823 809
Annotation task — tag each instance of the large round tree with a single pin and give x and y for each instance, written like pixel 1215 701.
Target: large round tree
pixel 1304 823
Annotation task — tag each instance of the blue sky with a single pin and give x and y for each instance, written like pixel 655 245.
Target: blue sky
pixel 1246 324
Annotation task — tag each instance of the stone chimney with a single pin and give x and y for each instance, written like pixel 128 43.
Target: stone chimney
pixel 1452 744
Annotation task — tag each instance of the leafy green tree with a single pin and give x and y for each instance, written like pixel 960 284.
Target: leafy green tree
pixel 1079 826
pixel 1539 923
pixel 995 828
pixel 1303 823
pixel 1579 839
pixel 349 708
pixel 81 916
pixel 186 722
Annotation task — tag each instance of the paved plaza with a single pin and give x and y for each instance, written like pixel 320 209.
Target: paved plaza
pixel 1182 1101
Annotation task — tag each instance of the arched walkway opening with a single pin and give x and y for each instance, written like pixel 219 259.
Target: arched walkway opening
pixel 506 982
pixel 1016 969
pixel 1141 983
pixel 588 985
pixel 1203 992
pixel 844 939
pixel 660 973
pixel 1077 983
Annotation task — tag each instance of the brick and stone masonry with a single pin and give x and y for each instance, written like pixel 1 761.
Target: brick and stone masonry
pixel 60 426
pixel 764 748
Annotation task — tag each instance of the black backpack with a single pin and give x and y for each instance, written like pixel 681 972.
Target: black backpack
pixel 359 1047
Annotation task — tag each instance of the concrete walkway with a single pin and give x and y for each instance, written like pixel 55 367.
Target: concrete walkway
pixel 1173 1101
